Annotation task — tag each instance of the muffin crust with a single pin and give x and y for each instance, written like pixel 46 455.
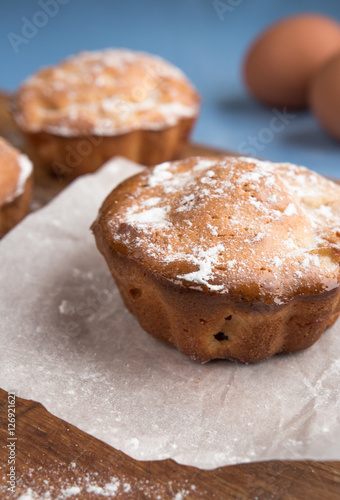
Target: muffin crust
pixel 242 256
pixel 123 102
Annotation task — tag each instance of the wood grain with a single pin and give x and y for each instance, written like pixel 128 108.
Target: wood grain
pixel 53 455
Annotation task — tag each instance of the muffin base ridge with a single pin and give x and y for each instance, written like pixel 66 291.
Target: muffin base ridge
pixel 216 326
pixel 69 157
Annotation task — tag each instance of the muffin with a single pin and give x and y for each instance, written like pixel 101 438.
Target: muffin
pixel 226 257
pixel 95 105
pixel 15 186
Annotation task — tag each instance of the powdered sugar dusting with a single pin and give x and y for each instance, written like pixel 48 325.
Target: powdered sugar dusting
pixel 231 221
pixel 152 201
pixel 105 93
pixel 15 169
pixel 26 169
pixel 160 174
pixel 70 491
pixel 290 210
pixel 50 485
pixel 152 216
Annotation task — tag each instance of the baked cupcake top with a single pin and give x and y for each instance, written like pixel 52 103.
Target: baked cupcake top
pixel 15 168
pixel 105 93
pixel 258 230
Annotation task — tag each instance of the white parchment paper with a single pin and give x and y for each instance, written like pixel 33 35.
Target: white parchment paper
pixel 68 342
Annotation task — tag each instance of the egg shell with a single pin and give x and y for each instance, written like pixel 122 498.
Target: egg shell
pixel 282 61
pixel 324 96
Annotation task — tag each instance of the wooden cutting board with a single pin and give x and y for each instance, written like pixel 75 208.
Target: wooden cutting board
pixel 56 457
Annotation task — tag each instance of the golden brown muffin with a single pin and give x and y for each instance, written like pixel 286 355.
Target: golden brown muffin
pixel 226 257
pixel 15 186
pixel 95 105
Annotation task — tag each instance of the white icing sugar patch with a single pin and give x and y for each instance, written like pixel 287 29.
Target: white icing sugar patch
pixel 26 169
pixel 259 237
pixel 325 211
pixel 290 210
pixel 270 181
pixel 186 203
pixel 203 164
pixel 310 260
pixel 316 260
pixel 258 204
pixel 208 180
pixel 160 175
pixel 154 215
pixel 277 261
pixel 306 262
pixel 151 202
pixel 205 260
pixel 174 110
pixel 251 177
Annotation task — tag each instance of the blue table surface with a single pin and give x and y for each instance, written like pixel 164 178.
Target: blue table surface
pixel 191 34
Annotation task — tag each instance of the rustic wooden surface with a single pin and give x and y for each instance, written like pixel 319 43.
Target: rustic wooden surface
pixel 53 456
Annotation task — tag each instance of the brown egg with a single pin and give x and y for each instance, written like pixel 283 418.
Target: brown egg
pixel 324 96
pixel 281 62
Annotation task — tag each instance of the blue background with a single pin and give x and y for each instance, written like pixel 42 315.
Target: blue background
pixel 190 34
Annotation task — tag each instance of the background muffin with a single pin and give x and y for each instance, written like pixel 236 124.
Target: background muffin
pixel 15 186
pixel 226 257
pixel 95 105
